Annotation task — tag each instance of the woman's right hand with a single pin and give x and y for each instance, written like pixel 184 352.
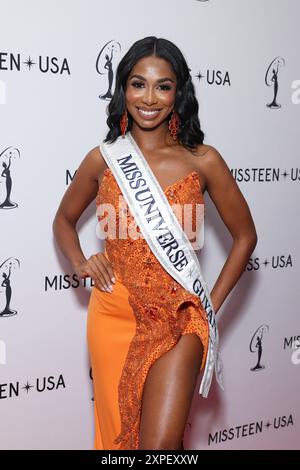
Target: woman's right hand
pixel 99 268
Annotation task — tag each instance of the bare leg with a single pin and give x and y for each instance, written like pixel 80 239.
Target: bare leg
pixel 168 394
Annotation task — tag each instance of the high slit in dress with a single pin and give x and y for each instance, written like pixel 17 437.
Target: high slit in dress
pixel 140 320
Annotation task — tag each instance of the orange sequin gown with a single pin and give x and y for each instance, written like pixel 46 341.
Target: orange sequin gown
pixel 140 320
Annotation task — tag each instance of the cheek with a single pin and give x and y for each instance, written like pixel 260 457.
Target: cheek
pixel 132 93
pixel 168 98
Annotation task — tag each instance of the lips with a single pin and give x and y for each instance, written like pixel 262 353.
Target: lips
pixel 148 113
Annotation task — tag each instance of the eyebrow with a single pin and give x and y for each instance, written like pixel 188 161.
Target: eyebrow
pixel 160 80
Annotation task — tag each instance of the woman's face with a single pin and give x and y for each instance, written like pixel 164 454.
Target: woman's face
pixel 150 91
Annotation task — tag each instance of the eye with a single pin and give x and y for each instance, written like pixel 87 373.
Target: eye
pixel 141 84
pixel 137 84
pixel 165 87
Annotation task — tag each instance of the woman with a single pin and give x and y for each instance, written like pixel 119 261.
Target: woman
pixel 147 335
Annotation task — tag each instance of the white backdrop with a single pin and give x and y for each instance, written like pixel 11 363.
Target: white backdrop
pixel 51 116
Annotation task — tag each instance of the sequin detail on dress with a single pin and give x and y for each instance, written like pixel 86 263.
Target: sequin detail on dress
pixel 163 309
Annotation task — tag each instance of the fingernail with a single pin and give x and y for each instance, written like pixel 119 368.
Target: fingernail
pixel 113 279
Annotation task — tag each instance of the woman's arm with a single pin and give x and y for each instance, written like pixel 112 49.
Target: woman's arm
pixel 81 192
pixel 236 215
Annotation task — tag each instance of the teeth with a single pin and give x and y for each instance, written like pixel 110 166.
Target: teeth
pixel 148 113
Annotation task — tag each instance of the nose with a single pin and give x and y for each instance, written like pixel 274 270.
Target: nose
pixel 149 96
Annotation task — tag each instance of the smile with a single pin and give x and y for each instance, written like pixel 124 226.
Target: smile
pixel 148 114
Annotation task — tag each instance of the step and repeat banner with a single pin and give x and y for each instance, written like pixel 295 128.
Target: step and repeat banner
pixel 57 74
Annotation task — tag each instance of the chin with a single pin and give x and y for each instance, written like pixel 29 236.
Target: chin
pixel 148 126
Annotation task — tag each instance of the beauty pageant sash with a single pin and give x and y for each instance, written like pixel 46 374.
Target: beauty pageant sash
pixel 162 231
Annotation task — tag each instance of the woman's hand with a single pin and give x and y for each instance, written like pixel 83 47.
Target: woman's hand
pixel 99 268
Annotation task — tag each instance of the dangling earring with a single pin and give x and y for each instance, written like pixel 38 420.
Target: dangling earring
pixel 124 123
pixel 174 124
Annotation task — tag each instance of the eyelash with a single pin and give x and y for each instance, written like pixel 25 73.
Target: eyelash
pixel 166 87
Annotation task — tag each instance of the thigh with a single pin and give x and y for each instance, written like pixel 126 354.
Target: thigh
pixel 168 393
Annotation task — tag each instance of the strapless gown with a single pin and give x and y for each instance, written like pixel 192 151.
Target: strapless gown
pixel 140 320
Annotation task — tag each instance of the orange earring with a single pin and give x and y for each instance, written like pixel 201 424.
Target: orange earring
pixel 124 123
pixel 174 124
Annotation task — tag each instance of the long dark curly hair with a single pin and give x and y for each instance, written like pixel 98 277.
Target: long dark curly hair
pixel 186 104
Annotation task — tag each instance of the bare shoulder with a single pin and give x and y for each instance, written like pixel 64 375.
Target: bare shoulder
pixel 93 163
pixel 83 188
pixel 226 195
pixel 210 162
pixel 94 156
pixel 207 153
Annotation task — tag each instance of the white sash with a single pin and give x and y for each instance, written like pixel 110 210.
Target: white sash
pixel 160 227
